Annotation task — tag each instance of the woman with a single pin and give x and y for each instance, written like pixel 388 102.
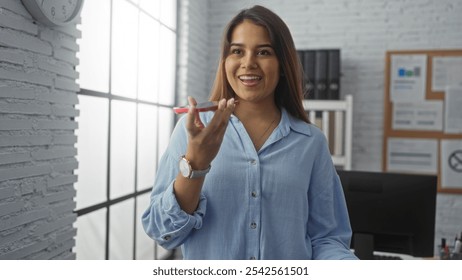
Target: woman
pixel 252 180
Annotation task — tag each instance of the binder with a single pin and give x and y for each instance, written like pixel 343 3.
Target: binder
pixel 300 59
pixel 320 74
pixel 300 56
pixel 333 74
pixel 309 59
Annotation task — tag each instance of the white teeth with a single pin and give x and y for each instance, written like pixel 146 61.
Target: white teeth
pixel 250 78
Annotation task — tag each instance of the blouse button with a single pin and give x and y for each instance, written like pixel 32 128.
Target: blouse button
pixel 254 194
pixel 167 237
pixel 253 162
pixel 253 225
pixel 252 258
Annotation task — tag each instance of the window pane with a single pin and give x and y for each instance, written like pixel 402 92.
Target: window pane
pixel 168 63
pixel 91 236
pixel 165 128
pixel 152 7
pixel 92 136
pixel 168 13
pixel 94 46
pixel 147 145
pixel 144 244
pixel 148 71
pixel 124 49
pixel 121 230
pixel 123 134
pixel 141 65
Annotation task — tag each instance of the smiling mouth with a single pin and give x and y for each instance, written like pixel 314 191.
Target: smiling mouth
pixel 250 80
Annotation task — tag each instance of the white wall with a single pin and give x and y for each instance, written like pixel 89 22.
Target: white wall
pixel 364 31
pixel 37 153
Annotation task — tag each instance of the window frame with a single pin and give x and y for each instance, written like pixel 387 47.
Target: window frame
pixel 108 203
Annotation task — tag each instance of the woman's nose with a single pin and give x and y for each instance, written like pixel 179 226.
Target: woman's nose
pixel 248 61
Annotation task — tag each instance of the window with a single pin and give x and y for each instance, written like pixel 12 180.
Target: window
pixel 127 79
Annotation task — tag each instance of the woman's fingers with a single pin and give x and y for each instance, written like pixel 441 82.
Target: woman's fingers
pixel 197 120
pixel 206 141
pixel 218 123
pixel 193 123
pixel 231 104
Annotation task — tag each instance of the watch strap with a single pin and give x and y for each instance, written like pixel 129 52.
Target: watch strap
pixel 199 173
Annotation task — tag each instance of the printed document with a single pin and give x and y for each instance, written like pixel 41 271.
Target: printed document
pixel 453 110
pixel 408 78
pixel 426 115
pixel 446 71
pixel 412 155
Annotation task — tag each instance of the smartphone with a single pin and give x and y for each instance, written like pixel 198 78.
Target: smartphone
pixel 200 107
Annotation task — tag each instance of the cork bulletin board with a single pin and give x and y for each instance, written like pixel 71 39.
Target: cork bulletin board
pixel 423 115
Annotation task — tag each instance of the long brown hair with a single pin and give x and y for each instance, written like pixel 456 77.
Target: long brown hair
pixel 289 90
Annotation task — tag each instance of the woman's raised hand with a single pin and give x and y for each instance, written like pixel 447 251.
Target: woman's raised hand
pixel 205 141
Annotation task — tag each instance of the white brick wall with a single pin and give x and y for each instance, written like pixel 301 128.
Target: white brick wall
pixel 364 31
pixel 37 153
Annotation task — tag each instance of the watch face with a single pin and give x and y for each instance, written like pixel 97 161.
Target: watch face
pixel 185 168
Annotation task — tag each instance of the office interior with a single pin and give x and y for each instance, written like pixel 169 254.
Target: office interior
pixel 86 108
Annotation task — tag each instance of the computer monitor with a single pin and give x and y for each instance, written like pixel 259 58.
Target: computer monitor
pixel 390 212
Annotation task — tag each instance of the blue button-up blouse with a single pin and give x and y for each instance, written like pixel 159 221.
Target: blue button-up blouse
pixel 284 201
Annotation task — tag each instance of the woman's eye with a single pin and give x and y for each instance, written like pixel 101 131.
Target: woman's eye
pixel 264 52
pixel 236 51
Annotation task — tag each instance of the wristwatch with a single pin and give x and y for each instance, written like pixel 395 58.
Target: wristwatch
pixel 187 171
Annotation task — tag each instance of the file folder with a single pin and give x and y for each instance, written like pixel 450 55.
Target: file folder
pixel 309 59
pixel 333 74
pixel 320 75
pixel 300 58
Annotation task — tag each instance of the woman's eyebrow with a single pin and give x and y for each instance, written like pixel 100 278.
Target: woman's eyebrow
pixel 258 46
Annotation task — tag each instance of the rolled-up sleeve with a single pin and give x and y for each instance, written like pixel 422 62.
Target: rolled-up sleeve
pixel 165 222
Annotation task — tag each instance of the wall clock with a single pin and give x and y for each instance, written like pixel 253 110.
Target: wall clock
pixel 54 12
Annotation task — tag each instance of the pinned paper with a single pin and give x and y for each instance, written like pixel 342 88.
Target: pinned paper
pixel 446 72
pixel 451 164
pixel 426 115
pixel 408 78
pixel 412 155
pixel 453 112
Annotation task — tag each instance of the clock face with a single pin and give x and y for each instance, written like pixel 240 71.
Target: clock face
pixel 54 12
pixel 60 11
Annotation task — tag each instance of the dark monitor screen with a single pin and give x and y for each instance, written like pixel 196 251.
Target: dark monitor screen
pixel 391 212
